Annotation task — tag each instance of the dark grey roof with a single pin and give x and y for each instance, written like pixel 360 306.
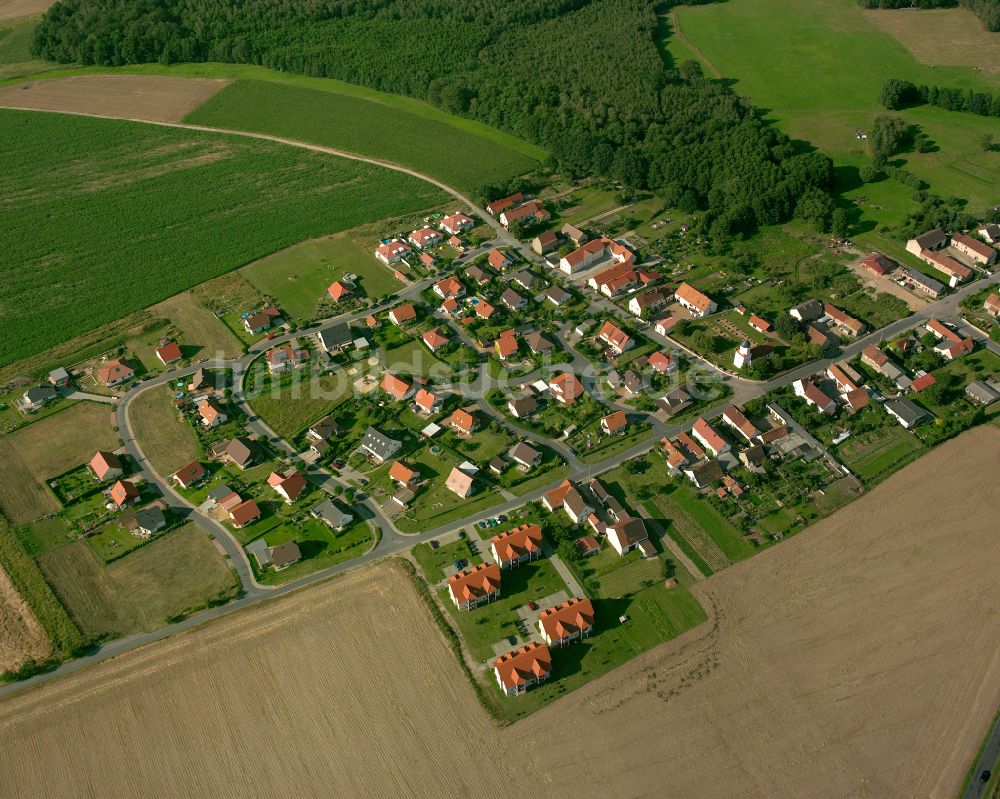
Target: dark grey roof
pixel 919 277
pixel 498 464
pixel 379 444
pixel 150 518
pixel 523 452
pixel 705 472
pixel 524 405
pixel 511 298
pixel 331 514
pixel 932 239
pixel 285 554
pixel 220 491
pixel 525 279
pixel 808 310
pixel 41 393
pixel 324 428
pixel 982 391
pixel 558 295
pixel 908 411
pixel 334 336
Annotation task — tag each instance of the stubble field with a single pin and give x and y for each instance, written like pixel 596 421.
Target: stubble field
pixel 21 636
pixel 858 659
pixel 19 8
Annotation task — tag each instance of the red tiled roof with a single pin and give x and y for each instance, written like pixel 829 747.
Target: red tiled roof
pixel 244 512
pixel 292 483
pixel 497 259
pixel 504 203
pixel 614 422
pixel 875 355
pixel 425 399
pixel 568 385
pixel 103 462
pixel 943 332
pixel 614 336
pixel 530 662
pixel 484 310
pixel 433 339
pixel 842 318
pixel 878 264
pixel 562 621
pixel 403 313
pixel 401 473
pixel 709 434
pixel 169 352
pixel 475 582
pixel 517 542
pixel 759 324
pixel 394 386
pixel 506 344
pixel 692 296
pixel 462 420
pixel 123 491
pixel 338 290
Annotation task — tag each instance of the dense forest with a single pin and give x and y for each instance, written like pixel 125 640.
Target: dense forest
pixel 987 10
pixel 582 78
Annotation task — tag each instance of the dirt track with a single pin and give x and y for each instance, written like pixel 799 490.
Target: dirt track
pixel 154 98
pixel 860 658
pixel 21 636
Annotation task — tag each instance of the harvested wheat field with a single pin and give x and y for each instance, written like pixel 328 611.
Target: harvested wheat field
pixel 345 689
pixel 861 658
pixel 154 98
pixel 22 497
pixel 66 439
pixel 198 326
pixel 19 8
pixel 21 637
pixel 945 36
pixel 165 438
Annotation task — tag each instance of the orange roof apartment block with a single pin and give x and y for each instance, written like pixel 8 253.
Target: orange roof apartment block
pixel 571 621
pixel 476 586
pixel 517 671
pixel 517 546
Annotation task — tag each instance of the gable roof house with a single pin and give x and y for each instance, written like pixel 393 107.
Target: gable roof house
pixel 506 345
pixel 392 252
pixel 284 555
pixel 459 482
pixel 628 533
pixel 237 451
pixel 954 349
pixel 330 513
pixel 990 232
pixel 149 521
pixel 123 492
pixel 335 337
pixel 662 362
pixel 703 473
pixel 673 455
pixel 567 496
pixel 425 237
pixel 566 388
pixel 189 475
pixel 974 249
pixel 378 446
pixel 650 301
pixel 935 239
pixel 288 486
pixel 558 296
pixel 434 340
pixel 59 377
pixel 709 437
pixel 545 242
pixel 474 586
pixel 525 455
pixel 323 429
pixel 694 301
pixel 907 413
pixel 244 513
pixel 402 313
pixel 614 423
pixel 982 392
pixel 338 290
pixel 523 544
pixel 844 322
pixel 211 414
pixel 449 288
pixel 538 343
pixel 513 300
pixel 497 206
pixel 522 407
pixel 115 372
pixel 955 269
pixel 168 352
pixel 36 396
pixel 530 212
pixel 478 276
pixel 106 466
pixel 878 264
pixel 574 234
pixel 616 339
pixel 924 284
pixel 282 358
pixel 992 305
pixel 522 668
pixel 807 311
pixel 457 223
pixel 484 310
pixel 736 419
pixel 396 387
pixel 837 372
pixel 674 401
pixel 567 622
pixel 525 279
pixel 814 396
pixel 594 251
pixel 759 324
pixel 426 401
pixel 462 422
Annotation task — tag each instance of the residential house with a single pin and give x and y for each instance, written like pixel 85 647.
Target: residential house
pixel 59 377
pixel 838 373
pixel 200 381
pixel 434 340
pixel 392 252
pixel 211 414
pixel 759 324
pixel 925 380
pixel 498 206
pixel 462 422
pixel 907 413
pixel 737 420
pixel 522 668
pixel 339 289
pixel 478 276
pixel 523 544
pixel 990 232
pixel 513 300
pixel 982 392
pixel 428 260
pixel 499 260
pixel 878 264
pixel 691 445
pixel 628 533
pixel 955 269
pixel 115 372
pixel 525 279
pixel 942 332
pixel 992 305
pixel 525 455
pixel 257 323
pixel 168 352
pixel 190 475
pixel 284 555
pixel 574 234
pixel 821 338
pixel 522 407
pixel 506 345
pixel 474 586
pixel 694 301
pixel 845 323
pixel 754 458
pixel 450 307
pixel 378 446
pixel 558 296
pixel 587 545
pixel 566 388
pixel 149 521
pixel 673 455
pixel 331 514
pixel 459 482
pixel 449 288
pixel 594 251
pixel 457 223
pixel 545 243
pixel 674 401
pixel 335 338
pixel 425 237
pixel 569 621
pixel 35 397
pixel 814 396
pixel 288 486
pixel 857 399
pixel 665 325
pixel 238 451
pixel 402 314
pixel 613 281
pixel 484 310
pixel 538 344
pixel 223 496
pixel 709 437
pixel 323 429
pixel 567 496
pixel 616 339
pixel 244 513
pixel 974 249
pixel 123 492
pixel 932 240
pixel 396 387
pixel 703 473
pixel 106 466
pixel 427 402
pixel 497 465
pixel 529 213
pixel 807 311
pixel 920 282
pixel 283 358
pixel 951 350
pixel 641 304
pixel 632 383
pixel 614 423
pixel 662 362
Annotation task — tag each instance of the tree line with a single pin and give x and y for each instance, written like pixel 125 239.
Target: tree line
pixel 897 93
pixel 987 10
pixel 582 78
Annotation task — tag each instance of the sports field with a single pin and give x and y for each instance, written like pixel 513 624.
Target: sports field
pixel 121 215
pixel 299 276
pixel 362 126
pixel 823 83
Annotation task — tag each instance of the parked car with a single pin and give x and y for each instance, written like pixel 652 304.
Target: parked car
pixel 533 605
pixel 434 544
pixel 460 564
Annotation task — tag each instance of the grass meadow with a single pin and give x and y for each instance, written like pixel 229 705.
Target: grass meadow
pixel 824 82
pixel 103 217
pixel 359 125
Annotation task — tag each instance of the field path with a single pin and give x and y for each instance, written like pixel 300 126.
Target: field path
pixel 675 20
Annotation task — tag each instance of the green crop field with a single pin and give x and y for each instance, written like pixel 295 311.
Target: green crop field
pixel 456 157
pixel 823 82
pixel 298 277
pixel 102 218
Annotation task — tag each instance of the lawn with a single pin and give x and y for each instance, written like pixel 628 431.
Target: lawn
pixel 413 358
pixel 608 446
pixel 41 536
pixel 186 205
pixel 165 579
pixel 824 82
pixel 165 438
pixel 321 547
pixel 197 327
pixel 298 277
pixel 289 409
pixel 433 561
pixel 369 128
